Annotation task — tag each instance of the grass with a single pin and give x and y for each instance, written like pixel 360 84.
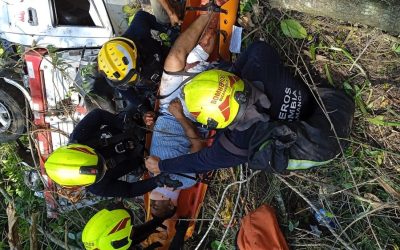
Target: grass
pixel 361 189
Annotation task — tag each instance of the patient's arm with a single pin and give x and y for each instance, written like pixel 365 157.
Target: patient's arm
pixel 176 59
pixel 175 107
pixel 209 36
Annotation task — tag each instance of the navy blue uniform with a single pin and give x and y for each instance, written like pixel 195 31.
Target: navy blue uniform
pixel 151 57
pixel 291 103
pixel 88 131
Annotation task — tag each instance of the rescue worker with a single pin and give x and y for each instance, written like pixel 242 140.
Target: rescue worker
pixel 167 11
pixel 133 62
pixel 104 147
pixel 265 116
pixel 114 229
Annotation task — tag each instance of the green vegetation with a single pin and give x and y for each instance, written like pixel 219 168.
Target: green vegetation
pixel 359 191
pixel 292 28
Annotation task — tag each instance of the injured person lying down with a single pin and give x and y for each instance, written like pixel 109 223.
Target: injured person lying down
pixel 173 135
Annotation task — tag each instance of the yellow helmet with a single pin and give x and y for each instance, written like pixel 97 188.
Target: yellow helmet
pixel 108 230
pixel 117 61
pixel 75 165
pixel 214 97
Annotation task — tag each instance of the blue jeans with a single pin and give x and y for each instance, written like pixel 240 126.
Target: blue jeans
pixel 88 131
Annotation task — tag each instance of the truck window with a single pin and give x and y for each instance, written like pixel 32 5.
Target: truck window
pixel 75 13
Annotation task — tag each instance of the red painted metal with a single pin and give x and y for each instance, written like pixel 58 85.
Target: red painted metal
pixel 33 59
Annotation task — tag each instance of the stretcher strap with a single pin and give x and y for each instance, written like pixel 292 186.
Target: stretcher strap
pixel 180 85
pixel 210 7
pixel 228 145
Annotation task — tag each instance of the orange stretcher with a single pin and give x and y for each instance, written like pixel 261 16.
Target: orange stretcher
pixel 190 200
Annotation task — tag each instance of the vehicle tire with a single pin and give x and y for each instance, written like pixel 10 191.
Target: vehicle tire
pixel 12 112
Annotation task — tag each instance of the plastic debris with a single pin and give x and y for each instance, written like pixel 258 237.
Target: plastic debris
pixel 328 216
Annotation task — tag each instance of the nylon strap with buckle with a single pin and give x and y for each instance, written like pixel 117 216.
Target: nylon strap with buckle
pixel 232 148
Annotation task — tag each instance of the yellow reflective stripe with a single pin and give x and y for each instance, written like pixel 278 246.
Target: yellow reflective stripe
pixel 305 164
pixel 264 145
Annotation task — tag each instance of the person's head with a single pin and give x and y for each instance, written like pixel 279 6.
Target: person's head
pixel 118 62
pixel 162 208
pixel 75 165
pixel 108 229
pixel 215 98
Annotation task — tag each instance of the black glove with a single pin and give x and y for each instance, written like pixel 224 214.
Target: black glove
pixel 182 225
pixel 163 179
pixel 143 231
pixel 130 124
pixel 177 242
pixel 127 118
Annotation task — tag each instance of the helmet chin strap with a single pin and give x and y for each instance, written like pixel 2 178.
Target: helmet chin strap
pixel 248 114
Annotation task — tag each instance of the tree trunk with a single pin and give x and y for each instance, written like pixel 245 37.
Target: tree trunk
pixel 383 14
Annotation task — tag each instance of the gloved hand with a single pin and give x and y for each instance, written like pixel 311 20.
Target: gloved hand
pixel 182 225
pixel 163 179
pixel 129 123
pixel 126 119
pixel 178 241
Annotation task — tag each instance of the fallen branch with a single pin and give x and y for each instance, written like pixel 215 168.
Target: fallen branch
pixel 234 210
pixel 220 205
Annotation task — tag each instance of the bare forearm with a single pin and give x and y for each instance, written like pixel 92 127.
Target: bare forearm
pixel 176 59
pixel 191 133
pixel 209 36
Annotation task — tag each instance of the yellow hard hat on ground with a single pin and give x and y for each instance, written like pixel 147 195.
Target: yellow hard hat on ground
pixel 214 97
pixel 108 230
pixel 117 61
pixel 75 165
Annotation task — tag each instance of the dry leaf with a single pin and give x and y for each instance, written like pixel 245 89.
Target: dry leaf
pixel 226 213
pixel 317 57
pixel 389 188
pixel 373 200
pixel 13 238
pixel 246 22
pixel 372 197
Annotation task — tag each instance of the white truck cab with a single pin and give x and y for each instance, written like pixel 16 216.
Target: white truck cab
pixel 61 23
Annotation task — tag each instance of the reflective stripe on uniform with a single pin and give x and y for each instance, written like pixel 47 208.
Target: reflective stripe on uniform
pixel 306 164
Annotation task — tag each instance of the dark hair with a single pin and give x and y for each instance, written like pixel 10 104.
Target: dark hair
pixel 166 212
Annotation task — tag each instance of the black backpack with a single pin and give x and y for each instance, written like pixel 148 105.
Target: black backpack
pixel 277 146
